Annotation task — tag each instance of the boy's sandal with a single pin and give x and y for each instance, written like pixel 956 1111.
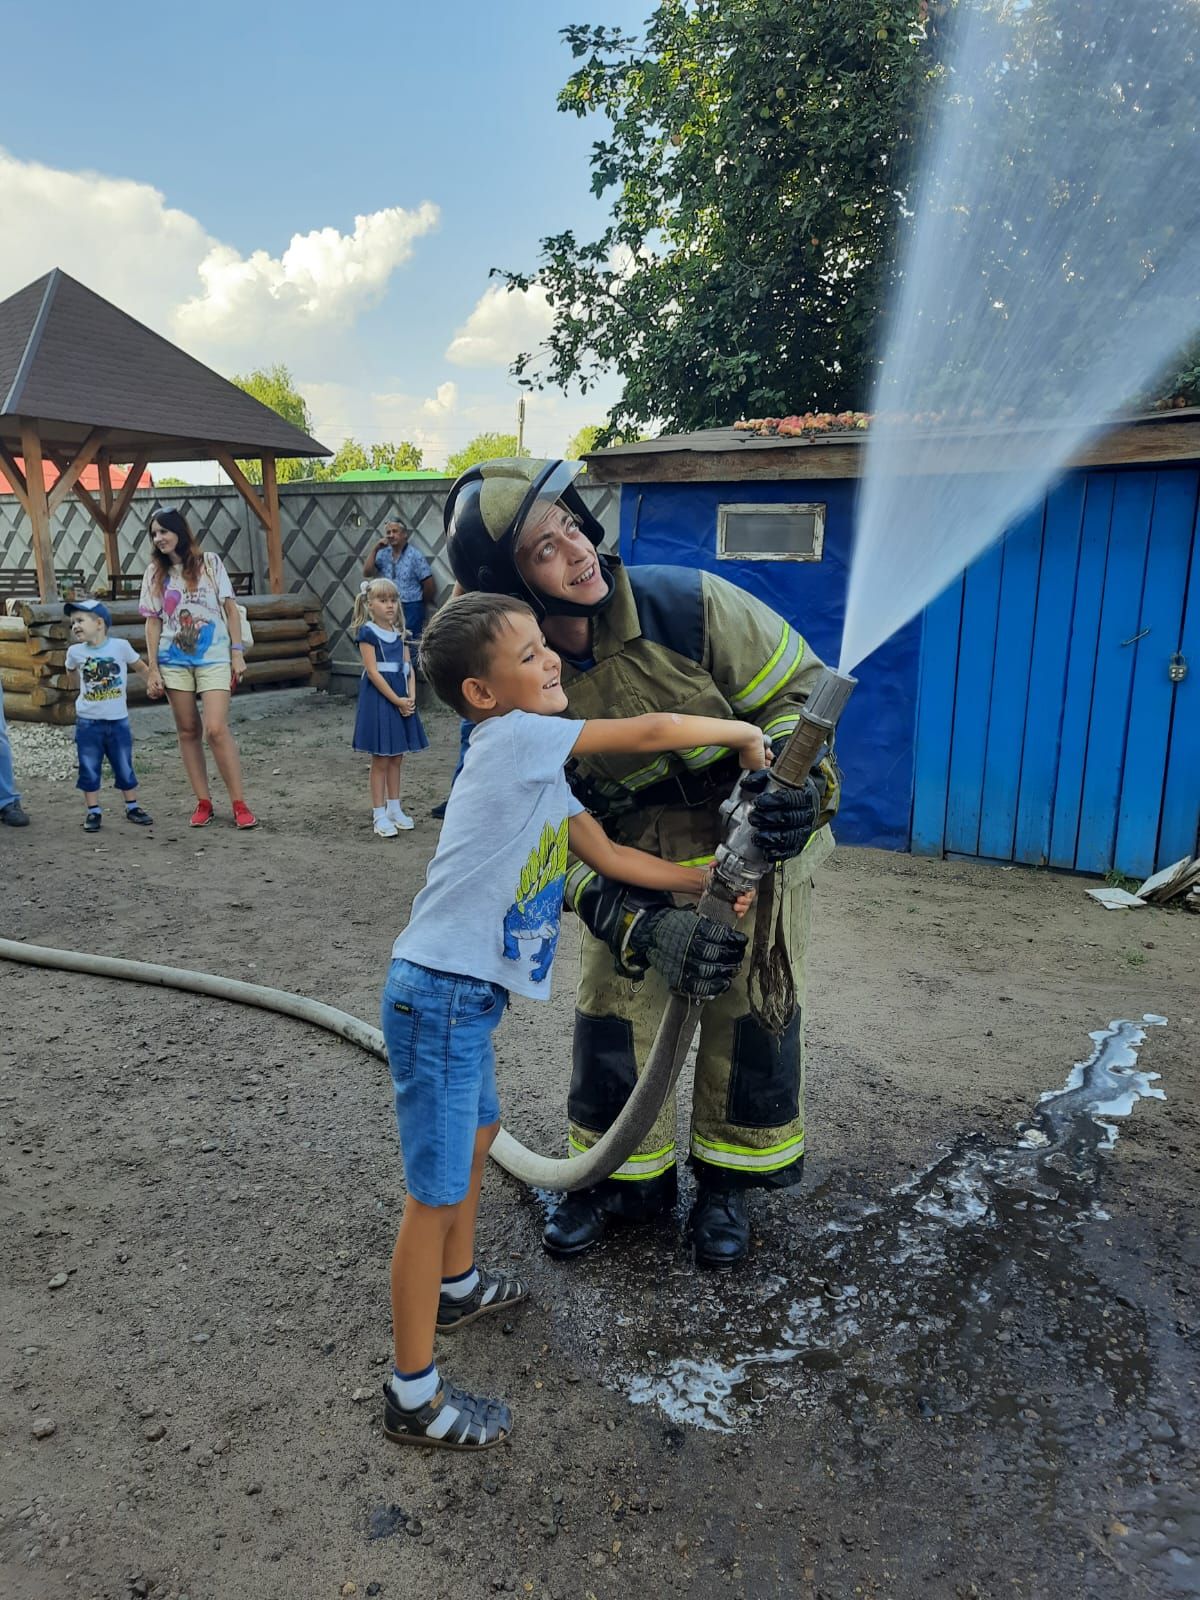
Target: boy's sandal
pixel 478 1424
pixel 456 1313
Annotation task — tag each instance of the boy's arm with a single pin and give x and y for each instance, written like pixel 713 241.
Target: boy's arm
pixel 143 668
pixel 660 731
pixel 588 840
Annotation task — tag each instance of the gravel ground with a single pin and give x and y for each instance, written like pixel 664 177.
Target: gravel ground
pixel 960 1362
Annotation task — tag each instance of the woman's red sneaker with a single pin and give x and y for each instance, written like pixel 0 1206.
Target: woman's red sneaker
pixel 243 816
pixel 203 814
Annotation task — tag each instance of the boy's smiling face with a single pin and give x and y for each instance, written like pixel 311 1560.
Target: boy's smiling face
pixel 522 675
pixel 87 628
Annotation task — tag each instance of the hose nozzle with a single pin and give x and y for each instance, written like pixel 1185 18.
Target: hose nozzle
pixel 814 731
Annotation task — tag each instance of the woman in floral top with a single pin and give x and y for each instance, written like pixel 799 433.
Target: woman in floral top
pixel 195 652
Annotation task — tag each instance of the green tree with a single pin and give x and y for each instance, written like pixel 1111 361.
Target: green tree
pixel 275 387
pixel 171 483
pixel 757 158
pixel 350 456
pixel 585 441
pixel 481 448
pixel 402 457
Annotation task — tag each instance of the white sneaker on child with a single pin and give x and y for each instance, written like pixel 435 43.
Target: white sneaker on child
pixel 401 819
pixel 385 828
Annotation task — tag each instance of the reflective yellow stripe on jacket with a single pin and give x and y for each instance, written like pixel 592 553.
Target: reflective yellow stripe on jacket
pixel 783 665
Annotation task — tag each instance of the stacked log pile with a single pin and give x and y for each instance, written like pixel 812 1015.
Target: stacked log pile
pixel 290 648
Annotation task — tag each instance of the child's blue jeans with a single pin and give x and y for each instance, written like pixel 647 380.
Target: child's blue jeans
pixel 97 737
pixel 438 1029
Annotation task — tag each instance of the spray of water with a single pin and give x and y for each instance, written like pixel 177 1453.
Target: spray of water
pixel 1050 275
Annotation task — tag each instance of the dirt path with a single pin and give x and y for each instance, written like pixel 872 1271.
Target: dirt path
pixel 958 1364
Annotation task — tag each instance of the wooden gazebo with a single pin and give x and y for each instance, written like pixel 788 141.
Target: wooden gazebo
pixel 81 382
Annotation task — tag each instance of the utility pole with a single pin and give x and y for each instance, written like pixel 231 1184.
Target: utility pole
pixel 521 426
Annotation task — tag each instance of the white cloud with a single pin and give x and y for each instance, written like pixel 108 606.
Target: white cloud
pixel 122 239
pixel 322 278
pixel 443 402
pixel 501 326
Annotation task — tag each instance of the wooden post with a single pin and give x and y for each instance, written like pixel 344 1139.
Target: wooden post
pixel 69 471
pixel 38 509
pixel 274 527
pixel 112 560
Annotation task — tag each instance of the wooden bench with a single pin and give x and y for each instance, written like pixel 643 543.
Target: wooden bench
pixel 21 583
pixel 128 585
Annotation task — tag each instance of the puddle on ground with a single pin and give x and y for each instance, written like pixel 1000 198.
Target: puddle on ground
pixel 905 1302
pixel 987 1290
pixel 939 1265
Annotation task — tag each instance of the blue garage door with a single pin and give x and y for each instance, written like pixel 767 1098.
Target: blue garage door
pixel 1049 730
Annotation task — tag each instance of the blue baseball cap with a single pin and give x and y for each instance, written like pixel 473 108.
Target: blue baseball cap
pixel 96 607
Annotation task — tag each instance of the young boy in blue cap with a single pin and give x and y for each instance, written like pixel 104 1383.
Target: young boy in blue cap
pixel 101 712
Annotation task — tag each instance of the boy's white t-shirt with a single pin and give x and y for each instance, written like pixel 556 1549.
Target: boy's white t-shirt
pixel 103 670
pixel 492 900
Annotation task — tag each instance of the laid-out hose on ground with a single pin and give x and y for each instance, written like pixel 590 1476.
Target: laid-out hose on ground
pixel 671 1046
pixel 739 865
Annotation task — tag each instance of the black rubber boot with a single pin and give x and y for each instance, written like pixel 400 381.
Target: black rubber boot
pixel 578 1222
pixel 720 1228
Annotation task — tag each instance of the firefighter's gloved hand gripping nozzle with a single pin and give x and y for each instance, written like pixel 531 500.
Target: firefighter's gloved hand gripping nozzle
pixel 740 863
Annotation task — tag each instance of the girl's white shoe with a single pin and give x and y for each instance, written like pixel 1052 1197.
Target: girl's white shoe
pixel 401 818
pixel 385 828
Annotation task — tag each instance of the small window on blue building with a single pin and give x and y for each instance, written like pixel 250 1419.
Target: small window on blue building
pixel 770 532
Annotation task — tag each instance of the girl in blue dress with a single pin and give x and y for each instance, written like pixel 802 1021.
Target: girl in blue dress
pixel 387 726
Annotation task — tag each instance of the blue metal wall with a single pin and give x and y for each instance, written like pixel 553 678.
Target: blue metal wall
pixel 1029 715
pixel 1048 729
pixel 677 523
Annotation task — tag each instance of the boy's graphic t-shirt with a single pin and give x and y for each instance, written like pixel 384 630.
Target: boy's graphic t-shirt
pixel 103 669
pixel 492 900
pixel 194 630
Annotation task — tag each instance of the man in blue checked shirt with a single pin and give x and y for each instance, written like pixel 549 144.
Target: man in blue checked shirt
pixel 396 557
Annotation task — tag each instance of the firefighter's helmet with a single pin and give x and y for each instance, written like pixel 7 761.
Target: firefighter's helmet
pixel 488 508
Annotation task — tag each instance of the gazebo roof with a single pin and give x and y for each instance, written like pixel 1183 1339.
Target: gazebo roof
pixel 75 362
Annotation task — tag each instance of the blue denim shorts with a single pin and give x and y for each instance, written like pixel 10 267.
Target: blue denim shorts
pixel 438 1029
pixel 97 737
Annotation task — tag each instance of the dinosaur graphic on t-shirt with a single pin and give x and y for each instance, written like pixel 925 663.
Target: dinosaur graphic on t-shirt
pixel 537 909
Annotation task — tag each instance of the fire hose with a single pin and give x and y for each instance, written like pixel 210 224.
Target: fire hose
pixel 738 866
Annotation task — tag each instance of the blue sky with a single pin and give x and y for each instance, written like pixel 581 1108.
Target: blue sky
pixel 204 167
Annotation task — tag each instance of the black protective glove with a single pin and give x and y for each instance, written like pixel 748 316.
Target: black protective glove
pixel 698 957
pixel 643 928
pixel 783 818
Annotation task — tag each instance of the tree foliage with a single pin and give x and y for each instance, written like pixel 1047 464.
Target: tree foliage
pixel 275 387
pixel 354 457
pixel 757 161
pixel 483 447
pixel 584 442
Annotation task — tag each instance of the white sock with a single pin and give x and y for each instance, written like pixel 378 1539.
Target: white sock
pixel 394 809
pixel 378 813
pixel 415 1389
pixel 459 1288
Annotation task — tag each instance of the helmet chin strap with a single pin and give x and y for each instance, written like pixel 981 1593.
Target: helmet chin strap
pixel 572 608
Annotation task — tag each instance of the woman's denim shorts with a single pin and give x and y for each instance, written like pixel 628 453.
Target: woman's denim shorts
pixel 438 1029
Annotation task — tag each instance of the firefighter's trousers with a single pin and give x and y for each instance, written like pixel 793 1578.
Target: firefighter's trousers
pixel 747 1123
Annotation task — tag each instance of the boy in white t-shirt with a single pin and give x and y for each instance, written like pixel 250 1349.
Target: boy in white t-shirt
pixel 101 712
pixel 484 926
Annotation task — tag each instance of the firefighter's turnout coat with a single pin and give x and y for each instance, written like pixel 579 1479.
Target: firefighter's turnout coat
pixel 677 639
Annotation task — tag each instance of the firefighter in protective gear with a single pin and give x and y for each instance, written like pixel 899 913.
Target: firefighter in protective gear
pixel 659 638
